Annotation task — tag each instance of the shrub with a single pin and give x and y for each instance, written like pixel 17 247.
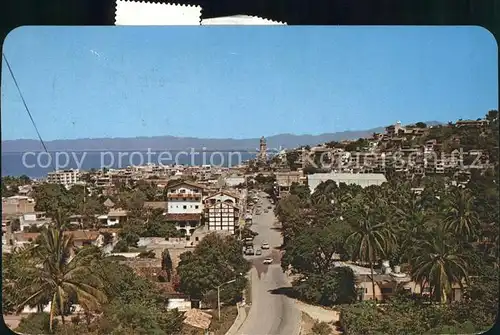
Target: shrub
pixel 321 328
pixel 147 254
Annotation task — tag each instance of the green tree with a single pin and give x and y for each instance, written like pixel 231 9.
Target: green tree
pixel 59 271
pixel 300 190
pixel 52 199
pixel 420 125
pixel 333 287
pixel 372 237
pixel 166 264
pixel 36 323
pixel 214 261
pixel 438 261
pixel 460 217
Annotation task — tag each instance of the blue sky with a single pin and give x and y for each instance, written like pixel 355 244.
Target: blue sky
pixel 240 82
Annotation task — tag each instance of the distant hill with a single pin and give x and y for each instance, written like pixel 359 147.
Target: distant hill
pixel 173 143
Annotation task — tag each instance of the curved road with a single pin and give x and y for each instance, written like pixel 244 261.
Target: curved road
pixel 271 313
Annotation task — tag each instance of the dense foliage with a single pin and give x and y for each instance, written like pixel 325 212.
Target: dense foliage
pixel 215 261
pixel 114 299
pixel 10 185
pixel 447 235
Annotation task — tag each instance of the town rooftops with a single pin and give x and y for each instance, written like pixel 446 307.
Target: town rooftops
pixel 155 204
pixel 380 278
pixel 117 212
pixel 78 235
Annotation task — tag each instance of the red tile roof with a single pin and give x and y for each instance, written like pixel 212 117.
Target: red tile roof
pixel 183 217
pixel 236 197
pixel 183 182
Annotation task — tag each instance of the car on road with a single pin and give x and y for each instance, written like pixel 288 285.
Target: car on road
pixel 268 260
pixel 249 252
pixel 265 246
pixel 269 207
pixel 258 252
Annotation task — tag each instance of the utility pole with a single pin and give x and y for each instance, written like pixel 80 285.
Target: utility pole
pixel 218 294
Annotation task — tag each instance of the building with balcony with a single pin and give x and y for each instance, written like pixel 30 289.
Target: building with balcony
pixel 64 177
pixel 472 123
pixel 185 205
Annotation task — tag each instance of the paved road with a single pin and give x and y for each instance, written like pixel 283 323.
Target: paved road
pixel 271 313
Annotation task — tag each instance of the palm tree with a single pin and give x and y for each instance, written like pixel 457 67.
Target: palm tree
pixel 324 193
pixel 438 262
pixel 460 216
pixel 372 238
pixel 60 271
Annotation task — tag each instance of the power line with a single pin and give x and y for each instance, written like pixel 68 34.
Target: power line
pixel 25 105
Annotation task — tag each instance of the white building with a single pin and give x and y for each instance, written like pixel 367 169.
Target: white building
pixel 114 217
pixel 232 181
pixel 222 211
pixel 361 179
pixel 37 219
pixel 185 205
pixel 64 177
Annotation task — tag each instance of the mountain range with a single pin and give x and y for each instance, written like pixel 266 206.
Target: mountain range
pixel 163 143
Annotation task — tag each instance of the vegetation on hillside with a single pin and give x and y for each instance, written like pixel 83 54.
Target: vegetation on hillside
pixel 447 235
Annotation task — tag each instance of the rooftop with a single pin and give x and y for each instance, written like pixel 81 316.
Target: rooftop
pixel 347 176
pixel 183 217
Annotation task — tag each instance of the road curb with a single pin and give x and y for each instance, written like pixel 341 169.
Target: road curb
pixel 238 322
pixel 242 313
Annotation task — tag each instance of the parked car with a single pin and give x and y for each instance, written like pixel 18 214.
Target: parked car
pixel 266 211
pixel 265 245
pixel 268 260
pixel 250 252
pixel 258 252
pixel 269 207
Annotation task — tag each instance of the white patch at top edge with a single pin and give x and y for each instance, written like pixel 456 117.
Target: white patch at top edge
pixel 132 13
pixel 240 20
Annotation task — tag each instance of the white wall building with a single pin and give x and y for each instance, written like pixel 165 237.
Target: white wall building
pixel 114 217
pixel 185 205
pixel 361 179
pixel 37 219
pixel 185 198
pixel 234 180
pixel 65 177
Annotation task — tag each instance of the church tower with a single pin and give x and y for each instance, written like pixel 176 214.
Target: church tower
pixel 263 150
